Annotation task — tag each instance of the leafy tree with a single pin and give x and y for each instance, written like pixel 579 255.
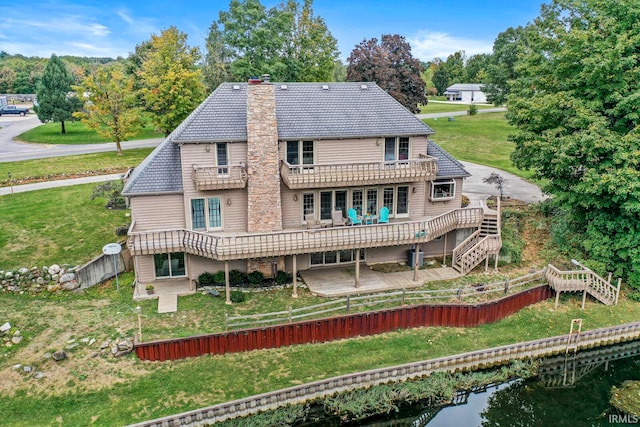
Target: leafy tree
pixel 339 71
pixel 576 107
pixel 391 65
pixel 441 79
pixel 311 50
pixel 109 106
pixel 500 70
pixel 248 40
pixel 7 77
pixel 449 72
pixel 171 82
pixel 496 180
pixel 288 42
pixel 475 69
pixel 55 99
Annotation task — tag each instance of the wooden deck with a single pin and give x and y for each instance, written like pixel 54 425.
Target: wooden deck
pixel 224 247
pixel 423 168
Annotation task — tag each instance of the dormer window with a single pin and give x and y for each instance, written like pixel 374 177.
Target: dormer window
pixel 443 190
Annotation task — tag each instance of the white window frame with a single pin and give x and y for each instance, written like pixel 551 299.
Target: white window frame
pixel 300 164
pixel 207 219
pixel 222 169
pixel 438 193
pixel 396 149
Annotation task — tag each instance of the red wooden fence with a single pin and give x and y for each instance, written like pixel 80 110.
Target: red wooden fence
pixel 340 327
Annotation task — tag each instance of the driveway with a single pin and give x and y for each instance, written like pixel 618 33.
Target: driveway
pixel 514 186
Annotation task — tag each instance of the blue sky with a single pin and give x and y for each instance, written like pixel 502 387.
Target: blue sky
pixel 113 28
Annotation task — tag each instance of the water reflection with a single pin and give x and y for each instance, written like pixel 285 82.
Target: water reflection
pixel 570 390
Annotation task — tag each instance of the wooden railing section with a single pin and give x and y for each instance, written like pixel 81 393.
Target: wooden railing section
pixel 462 362
pixel 219 178
pixel 466 261
pixel 351 303
pixel 288 242
pixel 423 168
pixel 583 281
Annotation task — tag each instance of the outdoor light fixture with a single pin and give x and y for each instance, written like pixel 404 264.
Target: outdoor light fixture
pixel 295 197
pixel 228 202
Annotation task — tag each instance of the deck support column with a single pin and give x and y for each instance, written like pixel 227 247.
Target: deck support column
pixel 227 287
pixel 416 261
pixel 584 297
pixel 486 264
pixel 444 252
pixel 557 297
pixel 495 261
pixel 295 277
pixel 358 268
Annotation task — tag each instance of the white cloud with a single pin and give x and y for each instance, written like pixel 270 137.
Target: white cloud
pixel 125 16
pixel 427 45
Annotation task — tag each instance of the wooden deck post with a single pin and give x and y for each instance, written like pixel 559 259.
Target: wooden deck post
pixel 495 261
pixel 358 268
pixel 618 291
pixel 444 252
pixel 295 276
pixel 486 263
pixel 227 286
pixel 416 259
pixel 584 297
pixel 557 297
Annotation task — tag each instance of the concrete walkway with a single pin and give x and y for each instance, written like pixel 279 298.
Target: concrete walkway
pixel 59 183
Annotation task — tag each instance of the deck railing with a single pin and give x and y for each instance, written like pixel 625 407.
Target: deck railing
pixel 219 178
pixel 289 242
pixel 423 168
pixel 466 261
pixel 583 280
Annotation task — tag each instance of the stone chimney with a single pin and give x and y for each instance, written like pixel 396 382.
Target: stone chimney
pixel 263 166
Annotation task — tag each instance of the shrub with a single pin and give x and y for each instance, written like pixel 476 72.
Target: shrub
pixel 236 278
pixel 464 201
pixel 112 190
pixel 473 110
pixel 207 279
pixel 218 278
pixel 282 278
pixel 237 296
pixel 255 278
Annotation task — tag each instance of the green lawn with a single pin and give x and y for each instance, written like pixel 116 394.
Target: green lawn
pixel 63 167
pixel 478 139
pixel 108 391
pixel 61 225
pixel 439 107
pixel 77 133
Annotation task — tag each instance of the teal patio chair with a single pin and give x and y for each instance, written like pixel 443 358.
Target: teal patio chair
pixel 353 217
pixel 383 217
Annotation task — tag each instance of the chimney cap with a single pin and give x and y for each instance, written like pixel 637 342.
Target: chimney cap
pixel 266 78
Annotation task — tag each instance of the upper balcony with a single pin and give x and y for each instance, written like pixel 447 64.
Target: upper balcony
pixel 225 246
pixel 296 177
pixel 219 177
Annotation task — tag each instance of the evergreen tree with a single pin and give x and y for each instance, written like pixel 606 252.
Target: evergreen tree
pixel 56 101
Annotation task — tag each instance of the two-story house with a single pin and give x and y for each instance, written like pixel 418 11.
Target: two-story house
pixel 266 175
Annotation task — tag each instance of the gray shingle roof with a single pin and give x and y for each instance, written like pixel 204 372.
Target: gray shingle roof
pixel 465 86
pixel 304 111
pixel 448 167
pixel 159 172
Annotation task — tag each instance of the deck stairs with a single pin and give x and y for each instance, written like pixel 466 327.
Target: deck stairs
pixel 482 243
pixel 581 281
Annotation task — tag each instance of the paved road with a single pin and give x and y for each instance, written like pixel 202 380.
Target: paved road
pixel 12 151
pixel 514 186
pixel 459 113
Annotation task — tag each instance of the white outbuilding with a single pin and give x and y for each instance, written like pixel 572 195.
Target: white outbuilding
pixel 466 92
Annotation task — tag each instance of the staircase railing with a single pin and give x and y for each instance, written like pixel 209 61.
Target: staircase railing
pixel 484 247
pixel 583 280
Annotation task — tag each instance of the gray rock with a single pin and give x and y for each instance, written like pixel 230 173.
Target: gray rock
pixel 55 277
pixel 71 346
pixel 53 269
pixel 105 344
pixel 8 275
pixel 53 288
pixel 39 281
pixel 92 341
pixel 17 333
pixel 47 356
pixel 27 369
pixel 37 375
pixel 71 341
pixel 23 271
pixel 94 354
pixel 84 340
pixel 16 366
pixel 114 349
pixel 16 340
pixel 5 327
pixel 70 286
pixel 67 277
pixel 59 355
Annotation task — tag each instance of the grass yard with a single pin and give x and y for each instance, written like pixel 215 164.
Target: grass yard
pixel 442 107
pixel 104 391
pixel 77 133
pixel 61 225
pixel 64 167
pixel 478 139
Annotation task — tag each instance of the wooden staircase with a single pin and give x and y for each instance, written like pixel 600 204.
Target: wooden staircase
pixel 585 281
pixel 480 244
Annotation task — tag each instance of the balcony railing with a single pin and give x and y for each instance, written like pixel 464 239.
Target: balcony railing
pixel 423 168
pixel 219 178
pixel 289 242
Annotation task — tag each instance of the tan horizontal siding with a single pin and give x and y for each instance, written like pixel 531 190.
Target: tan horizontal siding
pixel 291 209
pixel 438 208
pixel 158 212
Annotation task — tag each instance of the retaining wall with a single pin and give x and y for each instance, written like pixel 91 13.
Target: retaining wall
pixel 341 327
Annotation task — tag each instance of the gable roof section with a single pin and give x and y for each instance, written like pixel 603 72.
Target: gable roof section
pixel 304 111
pixel 465 86
pixel 159 172
pixel 448 167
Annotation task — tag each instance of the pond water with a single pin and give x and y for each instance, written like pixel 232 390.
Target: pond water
pixel 567 392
